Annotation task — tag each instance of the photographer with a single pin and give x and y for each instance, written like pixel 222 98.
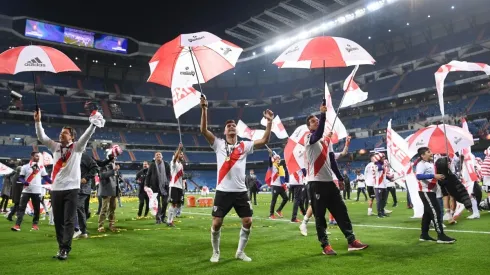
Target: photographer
pixel 108 190
pixel 142 195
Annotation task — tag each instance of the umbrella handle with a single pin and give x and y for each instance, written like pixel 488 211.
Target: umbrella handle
pixel 195 69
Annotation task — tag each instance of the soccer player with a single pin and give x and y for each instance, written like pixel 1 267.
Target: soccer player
pixel 361 184
pixel 278 185
pixel 337 177
pixel 66 177
pixel 30 176
pixel 176 185
pixel 427 181
pixel 370 173
pixel 323 191
pixel 231 191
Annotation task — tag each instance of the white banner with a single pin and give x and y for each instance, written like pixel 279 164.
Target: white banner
pixel 399 157
pixel 455 66
pixel 4 169
pixel 277 127
pixel 243 131
pixel 184 98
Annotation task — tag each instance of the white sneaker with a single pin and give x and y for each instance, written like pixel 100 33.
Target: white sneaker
pixel 303 229
pixel 77 234
pixel 472 217
pixel 243 257
pixel 215 257
pixel 388 211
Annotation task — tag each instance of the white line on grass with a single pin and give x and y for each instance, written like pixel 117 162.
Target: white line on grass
pixel 360 225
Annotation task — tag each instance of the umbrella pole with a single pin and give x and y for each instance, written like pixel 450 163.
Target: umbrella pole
pixel 195 69
pixel 35 92
pixel 180 133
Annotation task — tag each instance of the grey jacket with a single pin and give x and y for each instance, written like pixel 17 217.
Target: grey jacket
pixel 108 186
pixel 7 184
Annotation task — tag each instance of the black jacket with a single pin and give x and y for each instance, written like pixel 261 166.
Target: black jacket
pixel 140 179
pixel 151 179
pixel 17 186
pixel 89 169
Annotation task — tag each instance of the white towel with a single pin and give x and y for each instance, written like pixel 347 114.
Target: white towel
pixel 97 119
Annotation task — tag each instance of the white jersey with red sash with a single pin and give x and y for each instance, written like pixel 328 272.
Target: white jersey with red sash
pixel 424 168
pixel 318 162
pixel 33 174
pixel 177 174
pixel 66 173
pixel 370 174
pixel 231 161
pixel 296 178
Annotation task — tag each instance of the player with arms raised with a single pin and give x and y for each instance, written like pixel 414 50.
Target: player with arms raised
pixel 231 190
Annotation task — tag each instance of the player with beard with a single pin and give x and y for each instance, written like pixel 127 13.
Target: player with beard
pixel 176 184
pixel 231 190
pixel 324 193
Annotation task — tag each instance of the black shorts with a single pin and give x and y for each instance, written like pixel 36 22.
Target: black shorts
pixel 225 201
pixel 371 193
pixel 176 195
pixel 444 191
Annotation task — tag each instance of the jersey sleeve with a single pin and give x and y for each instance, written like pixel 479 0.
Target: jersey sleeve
pixel 217 144
pixel 43 172
pixel 23 171
pixel 249 147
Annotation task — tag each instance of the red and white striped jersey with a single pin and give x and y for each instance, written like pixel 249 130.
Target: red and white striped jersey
pixel 176 174
pixel 429 185
pixel 231 165
pixel 370 174
pixel 33 177
pixel 318 162
pixel 485 167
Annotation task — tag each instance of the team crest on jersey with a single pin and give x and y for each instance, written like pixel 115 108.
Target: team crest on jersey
pixel 240 150
pixel 317 196
pixel 215 208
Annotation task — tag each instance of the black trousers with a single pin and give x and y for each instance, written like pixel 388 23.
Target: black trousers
pixel 299 198
pixel 326 195
pixel 87 207
pixel 432 212
pixel 392 191
pixel 144 199
pixel 162 207
pixel 253 192
pixel 64 204
pixel 82 213
pixel 13 210
pixel 363 191
pixel 381 198
pixel 346 191
pixel 278 191
pixel 4 202
pixel 36 204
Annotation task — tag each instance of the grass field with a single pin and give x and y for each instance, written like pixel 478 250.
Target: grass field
pixel 275 246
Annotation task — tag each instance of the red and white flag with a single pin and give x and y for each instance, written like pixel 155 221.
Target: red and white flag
pixel 468 171
pixel 353 93
pixel 4 169
pixel 244 131
pixel 339 131
pixel 295 149
pixel 277 127
pixel 399 155
pixel 184 98
pixel 455 66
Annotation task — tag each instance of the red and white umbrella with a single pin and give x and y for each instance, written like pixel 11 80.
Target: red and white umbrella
pixel 324 51
pixel 434 138
pixel 295 149
pixel 192 58
pixel 35 59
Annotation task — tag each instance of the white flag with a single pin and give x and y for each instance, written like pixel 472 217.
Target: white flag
pixel 244 131
pixel 353 93
pixel 277 127
pixel 184 99
pixel 399 156
pixel 4 169
pixel 339 131
pixel 455 66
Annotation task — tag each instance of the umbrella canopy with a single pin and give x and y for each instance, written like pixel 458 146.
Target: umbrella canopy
pixel 434 138
pixel 35 59
pixel 192 58
pixel 324 51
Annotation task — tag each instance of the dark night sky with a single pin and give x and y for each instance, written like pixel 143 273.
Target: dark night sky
pixel 148 21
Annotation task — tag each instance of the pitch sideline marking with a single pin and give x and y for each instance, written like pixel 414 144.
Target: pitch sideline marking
pixel 360 225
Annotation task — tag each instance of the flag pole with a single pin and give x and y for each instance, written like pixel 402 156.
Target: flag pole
pixel 195 70
pixel 180 133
